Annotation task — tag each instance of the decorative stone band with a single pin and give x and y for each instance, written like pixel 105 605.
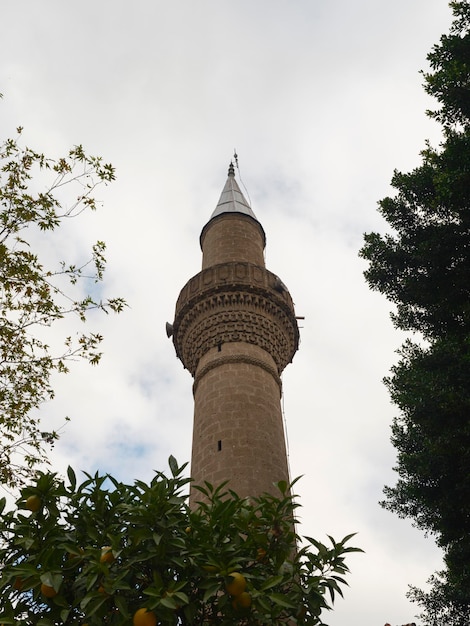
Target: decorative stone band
pixel 236 358
pixel 235 302
pixel 240 273
pixel 236 324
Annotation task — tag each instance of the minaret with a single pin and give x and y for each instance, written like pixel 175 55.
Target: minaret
pixel 235 330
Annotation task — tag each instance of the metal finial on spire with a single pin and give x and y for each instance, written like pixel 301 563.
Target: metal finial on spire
pixel 231 169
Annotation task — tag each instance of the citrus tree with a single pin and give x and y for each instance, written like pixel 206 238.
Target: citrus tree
pixel 103 552
pixel 38 195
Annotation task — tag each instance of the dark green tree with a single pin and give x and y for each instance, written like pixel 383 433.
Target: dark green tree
pixel 442 605
pixel 423 268
pixel 103 552
pixel 37 195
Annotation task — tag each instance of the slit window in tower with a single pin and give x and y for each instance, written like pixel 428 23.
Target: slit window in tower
pixel 219 445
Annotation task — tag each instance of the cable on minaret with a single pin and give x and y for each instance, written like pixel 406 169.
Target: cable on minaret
pixel 235 158
pixel 286 435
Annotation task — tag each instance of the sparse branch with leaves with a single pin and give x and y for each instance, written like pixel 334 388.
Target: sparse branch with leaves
pixel 37 194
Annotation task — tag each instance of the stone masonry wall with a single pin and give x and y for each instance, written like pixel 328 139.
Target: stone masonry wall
pixel 238 429
pixel 232 237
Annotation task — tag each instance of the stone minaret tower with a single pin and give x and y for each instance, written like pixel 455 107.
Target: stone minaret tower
pixel 235 330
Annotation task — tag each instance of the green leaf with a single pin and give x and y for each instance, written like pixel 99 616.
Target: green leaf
pixel 182 597
pixel 281 600
pixel 121 605
pixel 169 602
pixel 173 466
pixel 72 478
pixel 211 591
pixel 51 580
pixel 271 582
pixel 95 604
pixel 154 593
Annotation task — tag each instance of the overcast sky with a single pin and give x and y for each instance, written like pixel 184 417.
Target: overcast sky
pixel 322 100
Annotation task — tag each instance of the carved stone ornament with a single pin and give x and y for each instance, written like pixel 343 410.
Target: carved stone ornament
pixel 235 302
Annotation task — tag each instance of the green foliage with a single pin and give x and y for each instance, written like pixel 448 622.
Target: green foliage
pixel 424 269
pixel 450 63
pixel 443 604
pixel 37 195
pixel 432 437
pixel 171 560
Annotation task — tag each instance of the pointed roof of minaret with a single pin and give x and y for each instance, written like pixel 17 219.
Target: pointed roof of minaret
pixel 232 199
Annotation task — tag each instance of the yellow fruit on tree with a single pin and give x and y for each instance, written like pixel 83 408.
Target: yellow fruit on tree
pixel 236 583
pixel 243 601
pixel 33 503
pixel 143 617
pixel 107 555
pixel 48 591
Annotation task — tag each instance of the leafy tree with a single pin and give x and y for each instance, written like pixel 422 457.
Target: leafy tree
pixel 37 195
pixel 424 269
pixel 442 604
pixel 101 551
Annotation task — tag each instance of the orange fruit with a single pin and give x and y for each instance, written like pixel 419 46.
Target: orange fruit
pixel 236 584
pixel 48 591
pixel 107 555
pixel 261 554
pixel 18 584
pixel 143 617
pixel 33 503
pixel 243 601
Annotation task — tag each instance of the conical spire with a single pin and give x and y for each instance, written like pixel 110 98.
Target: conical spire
pixel 232 199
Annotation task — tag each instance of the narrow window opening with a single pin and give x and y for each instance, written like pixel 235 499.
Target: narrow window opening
pixel 219 347
pixel 219 445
